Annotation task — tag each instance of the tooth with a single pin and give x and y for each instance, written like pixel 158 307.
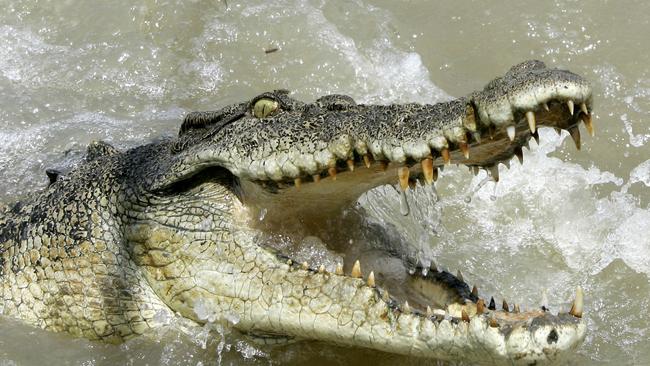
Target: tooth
pixel 475 291
pixel 506 163
pixel 321 269
pixel 494 172
pixel 366 160
pixel 558 131
pixel 480 307
pixel 465 149
pixel 491 131
pixel 519 152
pixel 583 108
pixel 433 267
pixel 316 178
pixel 475 169
pixel 371 279
pixel 350 163
pixel 578 303
pixel 545 105
pixel 505 306
pixel 356 270
pixel 385 296
pixel 569 103
pixel 445 155
pixel 403 175
pixel 435 174
pixel 493 323
pixel 339 269
pixel 332 172
pixel 517 309
pixel 575 135
pixel 427 169
pixel 511 132
pixel 586 118
pixel 406 309
pixel 429 312
pixel 464 316
pixel 404 203
pixel 530 116
pixel 297 182
pixel 460 276
pixel 305 265
pixel 492 305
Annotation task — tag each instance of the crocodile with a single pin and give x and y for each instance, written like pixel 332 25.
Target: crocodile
pixel 127 239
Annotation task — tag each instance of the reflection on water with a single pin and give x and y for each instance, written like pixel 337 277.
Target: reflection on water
pixel 74 71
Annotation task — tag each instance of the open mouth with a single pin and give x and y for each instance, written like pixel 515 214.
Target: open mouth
pixel 319 205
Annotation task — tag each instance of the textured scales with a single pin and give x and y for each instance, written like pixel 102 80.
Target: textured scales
pixel 114 247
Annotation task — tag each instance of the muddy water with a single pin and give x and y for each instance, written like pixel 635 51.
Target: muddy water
pixel 75 71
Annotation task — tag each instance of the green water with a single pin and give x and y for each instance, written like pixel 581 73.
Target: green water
pixel 75 71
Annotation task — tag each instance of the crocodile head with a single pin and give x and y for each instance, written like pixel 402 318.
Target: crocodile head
pixel 302 164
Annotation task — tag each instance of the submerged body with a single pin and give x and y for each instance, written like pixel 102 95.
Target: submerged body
pixel 111 249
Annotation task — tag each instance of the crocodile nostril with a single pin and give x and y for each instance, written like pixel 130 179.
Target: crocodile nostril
pixel 552 337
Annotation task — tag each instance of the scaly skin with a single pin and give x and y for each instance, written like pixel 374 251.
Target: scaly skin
pixel 129 237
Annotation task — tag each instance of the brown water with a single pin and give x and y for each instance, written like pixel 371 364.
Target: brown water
pixel 75 71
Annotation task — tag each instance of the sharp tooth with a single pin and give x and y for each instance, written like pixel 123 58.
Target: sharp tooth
pixel 433 267
pixel 558 131
pixel 586 118
pixel 492 305
pixel 511 132
pixel 339 269
pixel 385 296
pixel 494 172
pixel 366 160
pixel 429 312
pixel 519 152
pixel 316 178
pixel 569 104
pixel 435 174
pixel 530 116
pixel 578 303
pixel 505 306
pixel 465 149
pixel 406 309
pixel 480 307
pixel 491 131
pixel 475 291
pixel 305 265
pixel 460 276
pixel 321 269
pixel 545 105
pixel 297 182
pixel 475 169
pixel 350 163
pixel 427 169
pixel 464 316
pixel 356 270
pixel 403 203
pixel 583 108
pixel 371 279
pixel 517 309
pixel 332 172
pixel 575 135
pixel 445 156
pixel 403 175
pixel 493 323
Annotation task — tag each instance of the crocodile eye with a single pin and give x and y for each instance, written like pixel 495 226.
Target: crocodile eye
pixel 264 107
